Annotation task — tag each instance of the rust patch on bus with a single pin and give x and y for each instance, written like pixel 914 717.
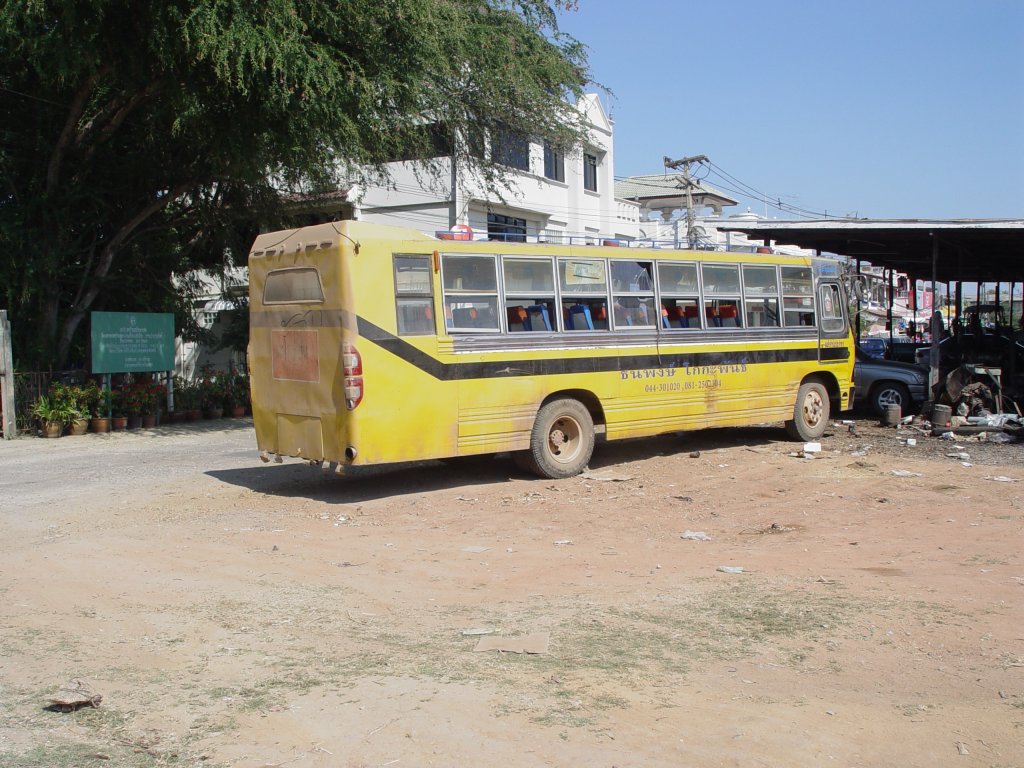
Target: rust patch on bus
pixel 295 355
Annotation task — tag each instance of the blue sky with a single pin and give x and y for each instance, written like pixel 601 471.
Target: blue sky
pixel 883 109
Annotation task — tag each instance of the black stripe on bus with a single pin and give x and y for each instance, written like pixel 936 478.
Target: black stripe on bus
pixel 595 364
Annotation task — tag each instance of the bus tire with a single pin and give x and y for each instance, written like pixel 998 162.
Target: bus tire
pixel 562 439
pixel 811 412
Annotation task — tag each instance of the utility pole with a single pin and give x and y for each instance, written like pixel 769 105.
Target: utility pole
pixel 688 185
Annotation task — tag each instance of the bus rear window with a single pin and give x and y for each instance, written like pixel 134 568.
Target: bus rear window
pixel 300 285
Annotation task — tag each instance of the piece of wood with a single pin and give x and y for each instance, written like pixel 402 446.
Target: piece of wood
pixel 7 404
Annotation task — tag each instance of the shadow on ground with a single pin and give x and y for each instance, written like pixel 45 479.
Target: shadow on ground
pixel 295 478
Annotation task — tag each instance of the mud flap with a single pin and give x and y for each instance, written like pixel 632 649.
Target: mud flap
pixel 299 436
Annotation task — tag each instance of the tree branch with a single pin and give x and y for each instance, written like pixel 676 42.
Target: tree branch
pixel 64 140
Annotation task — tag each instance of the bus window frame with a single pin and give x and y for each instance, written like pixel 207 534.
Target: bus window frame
pixel 414 295
pixel 696 296
pixel 621 313
pixel 319 281
pixel 713 299
pixel 472 296
pixel 840 302
pixel 527 298
pixel 793 295
pixel 590 299
pixel 752 298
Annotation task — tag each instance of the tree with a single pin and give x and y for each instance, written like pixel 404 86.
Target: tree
pixel 143 139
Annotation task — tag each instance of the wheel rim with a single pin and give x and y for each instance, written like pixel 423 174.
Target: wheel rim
pixel 813 408
pixel 564 439
pixel 889 397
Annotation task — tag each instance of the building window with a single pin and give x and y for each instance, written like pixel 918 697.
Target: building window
pixel 590 172
pixel 508 229
pixel 554 163
pixel 511 149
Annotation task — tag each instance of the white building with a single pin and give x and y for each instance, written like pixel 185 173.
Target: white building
pixel 663 214
pixel 550 195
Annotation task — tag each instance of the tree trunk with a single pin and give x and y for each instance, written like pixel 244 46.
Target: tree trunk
pixel 103 264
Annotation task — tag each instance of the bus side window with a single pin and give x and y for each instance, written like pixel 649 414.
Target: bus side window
pixel 470 283
pixel 414 301
pixel 797 296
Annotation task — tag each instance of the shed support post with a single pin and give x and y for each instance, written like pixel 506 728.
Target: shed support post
pixel 936 324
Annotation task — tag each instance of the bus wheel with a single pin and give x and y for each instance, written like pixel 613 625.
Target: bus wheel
pixel 810 414
pixel 562 440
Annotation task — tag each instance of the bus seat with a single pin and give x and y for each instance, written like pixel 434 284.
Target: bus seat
pixel 464 317
pixel 664 317
pixel 518 320
pixel 600 315
pixel 675 317
pixel 579 318
pixel 711 315
pixel 727 316
pixel 537 318
pixel 485 317
pixel 690 318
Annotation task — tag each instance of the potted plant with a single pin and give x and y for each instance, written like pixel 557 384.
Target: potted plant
pixel 53 414
pixel 119 419
pixel 100 406
pixel 154 393
pixel 192 404
pixel 69 400
pixel 80 396
pixel 211 393
pixel 236 393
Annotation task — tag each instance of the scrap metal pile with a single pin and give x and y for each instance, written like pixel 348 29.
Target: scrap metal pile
pixel 976 401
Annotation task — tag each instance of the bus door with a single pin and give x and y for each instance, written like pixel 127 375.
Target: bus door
pixel 832 326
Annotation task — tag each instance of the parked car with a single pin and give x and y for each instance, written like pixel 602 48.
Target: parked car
pixel 886 382
pixel 874 346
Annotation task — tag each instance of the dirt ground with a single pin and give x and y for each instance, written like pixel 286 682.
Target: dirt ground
pixel 267 615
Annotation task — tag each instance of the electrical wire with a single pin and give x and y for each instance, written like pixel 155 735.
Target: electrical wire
pixel 726 182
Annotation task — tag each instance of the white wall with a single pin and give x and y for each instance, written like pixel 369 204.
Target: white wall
pixel 548 207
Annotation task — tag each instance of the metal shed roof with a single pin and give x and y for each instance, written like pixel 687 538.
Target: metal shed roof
pixel 974 250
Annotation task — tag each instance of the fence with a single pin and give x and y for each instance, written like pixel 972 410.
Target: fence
pixel 27 387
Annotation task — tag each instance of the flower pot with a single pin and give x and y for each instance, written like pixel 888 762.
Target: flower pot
pixel 149 421
pixel 53 428
pixel 134 422
pixel 79 426
pixel 214 413
pixel 194 414
pixel 119 423
pixel 177 417
pixel 238 412
pixel 100 424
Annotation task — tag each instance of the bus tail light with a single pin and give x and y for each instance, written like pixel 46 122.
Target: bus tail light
pixel 353 373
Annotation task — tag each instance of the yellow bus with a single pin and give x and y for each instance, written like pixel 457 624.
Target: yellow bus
pixel 372 344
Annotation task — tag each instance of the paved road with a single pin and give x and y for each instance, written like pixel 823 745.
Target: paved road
pixel 34 471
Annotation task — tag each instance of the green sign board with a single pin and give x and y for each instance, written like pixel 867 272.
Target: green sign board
pixel 132 342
